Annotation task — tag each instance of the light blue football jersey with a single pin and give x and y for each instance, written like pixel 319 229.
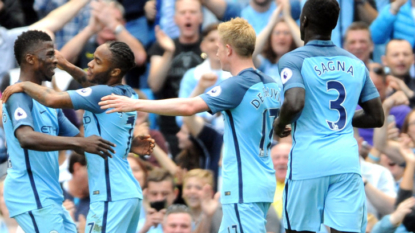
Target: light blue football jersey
pixel 335 81
pixel 111 179
pixel 249 102
pixel 32 180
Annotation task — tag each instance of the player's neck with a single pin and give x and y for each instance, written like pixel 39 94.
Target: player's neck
pixel 241 64
pixel 312 36
pixel 27 74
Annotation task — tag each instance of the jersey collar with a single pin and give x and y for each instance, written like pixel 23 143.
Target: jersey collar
pixel 321 43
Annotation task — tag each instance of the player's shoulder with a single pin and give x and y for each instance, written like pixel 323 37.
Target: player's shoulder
pixel 296 56
pixel 20 98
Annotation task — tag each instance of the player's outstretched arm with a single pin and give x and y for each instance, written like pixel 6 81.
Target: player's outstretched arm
pixel 77 73
pixel 32 140
pixel 167 107
pixel 370 116
pixel 294 99
pixel 41 94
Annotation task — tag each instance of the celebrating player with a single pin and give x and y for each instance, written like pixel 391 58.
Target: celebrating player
pixel 115 193
pixel 34 134
pixel 249 102
pixel 323 85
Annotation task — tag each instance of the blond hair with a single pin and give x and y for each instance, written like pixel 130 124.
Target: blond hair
pixel 202 174
pixel 240 35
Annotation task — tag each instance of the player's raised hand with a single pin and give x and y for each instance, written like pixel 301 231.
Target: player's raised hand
pixel 143 145
pixel 62 62
pixel 10 90
pixel 117 103
pixel 164 40
pixel 209 202
pixel 97 145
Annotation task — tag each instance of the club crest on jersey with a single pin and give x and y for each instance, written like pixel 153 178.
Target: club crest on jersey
pixel 286 74
pixel 85 91
pixel 19 114
pixel 215 91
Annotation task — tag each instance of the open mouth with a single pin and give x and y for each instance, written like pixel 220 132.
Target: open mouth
pixel 391 164
pixel 188 25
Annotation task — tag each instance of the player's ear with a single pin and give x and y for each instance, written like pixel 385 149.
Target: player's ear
pixel 228 50
pixel 30 58
pixel 115 72
pixel 305 21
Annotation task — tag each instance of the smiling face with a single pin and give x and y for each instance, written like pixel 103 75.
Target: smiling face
pixel 279 155
pixel 44 60
pixel 192 191
pixel 358 43
pixel 281 39
pixel 188 17
pixel 99 69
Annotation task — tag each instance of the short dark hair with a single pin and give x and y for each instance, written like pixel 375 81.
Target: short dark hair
pixel 76 158
pixel 26 41
pixel 322 15
pixel 210 28
pixel 159 175
pixel 122 56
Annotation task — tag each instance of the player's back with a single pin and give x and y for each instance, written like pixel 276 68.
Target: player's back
pixel 110 179
pixel 253 103
pixel 323 142
pixel 32 180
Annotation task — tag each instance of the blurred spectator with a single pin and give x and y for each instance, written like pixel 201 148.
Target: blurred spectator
pixel 193 184
pixel 140 16
pixel 72 28
pixel 170 59
pixel 279 155
pixel 405 213
pixel 353 10
pixel 357 41
pixel 379 185
pixel 11 14
pixel 395 169
pixel 396 104
pixel 177 220
pixel 203 77
pixel 257 12
pixel 201 146
pixel 139 169
pixel 7 224
pixel 160 188
pixel 107 23
pixel 399 59
pixel 51 23
pixel 280 36
pixel 395 21
pixel 76 190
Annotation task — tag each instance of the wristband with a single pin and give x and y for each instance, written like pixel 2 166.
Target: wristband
pixel 374 158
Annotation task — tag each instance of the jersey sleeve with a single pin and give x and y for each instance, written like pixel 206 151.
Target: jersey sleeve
pixel 88 98
pixel 289 67
pixel 369 90
pixel 227 95
pixel 19 106
pixel 66 128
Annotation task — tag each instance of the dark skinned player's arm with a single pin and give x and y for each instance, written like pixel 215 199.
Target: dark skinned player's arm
pixel 77 73
pixel 32 140
pixel 47 96
pixel 370 116
pixel 294 99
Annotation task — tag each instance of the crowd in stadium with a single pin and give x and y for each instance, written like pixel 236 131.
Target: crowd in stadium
pixel 175 45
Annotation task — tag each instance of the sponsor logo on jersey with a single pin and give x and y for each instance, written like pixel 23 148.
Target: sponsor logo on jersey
pixel 286 74
pixel 215 91
pixel 19 114
pixel 85 91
